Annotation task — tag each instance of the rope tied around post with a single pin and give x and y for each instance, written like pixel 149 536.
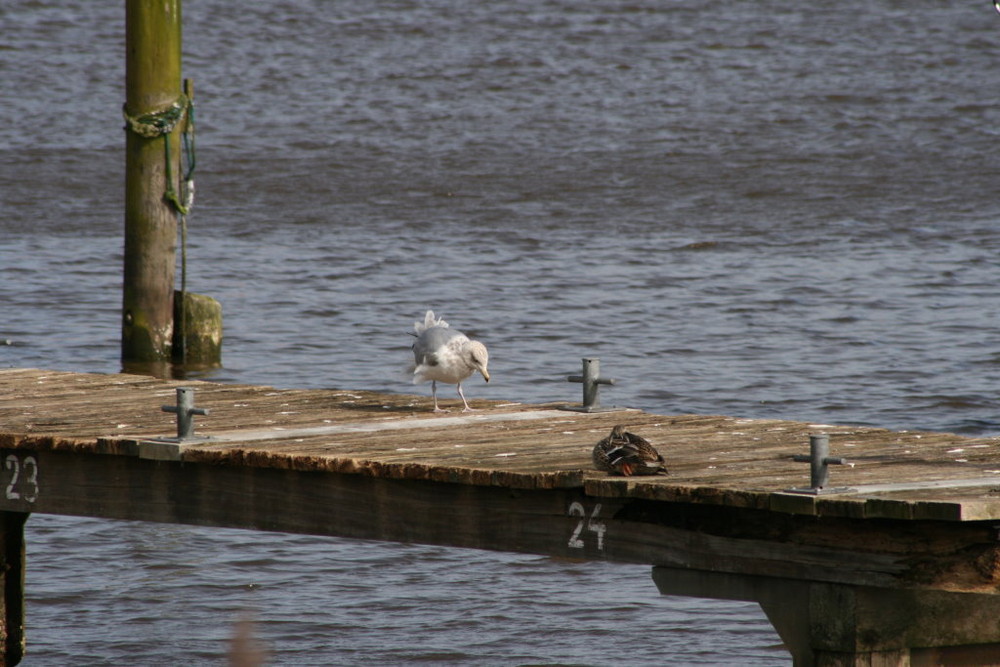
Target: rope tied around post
pixel 160 124
pixel 157 123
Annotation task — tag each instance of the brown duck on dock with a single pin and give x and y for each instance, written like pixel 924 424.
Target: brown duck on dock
pixel 628 454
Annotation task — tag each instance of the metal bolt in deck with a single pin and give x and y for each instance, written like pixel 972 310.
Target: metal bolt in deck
pixel 185 412
pixel 819 461
pixel 591 380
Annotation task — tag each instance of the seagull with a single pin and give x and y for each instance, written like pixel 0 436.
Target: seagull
pixel 627 454
pixel 447 355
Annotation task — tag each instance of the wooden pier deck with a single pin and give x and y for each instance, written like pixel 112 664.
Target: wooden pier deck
pixel 713 460
pixel 911 511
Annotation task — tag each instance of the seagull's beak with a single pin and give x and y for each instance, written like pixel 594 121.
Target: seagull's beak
pixel 485 373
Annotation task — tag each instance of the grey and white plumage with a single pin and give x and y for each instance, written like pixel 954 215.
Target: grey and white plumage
pixel 625 453
pixel 443 354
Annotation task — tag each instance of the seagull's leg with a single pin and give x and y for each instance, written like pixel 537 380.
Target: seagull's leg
pixel 467 408
pixel 434 393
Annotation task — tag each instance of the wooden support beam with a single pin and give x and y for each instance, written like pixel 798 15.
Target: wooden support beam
pixel 12 572
pixel 564 522
pixel 152 85
pixel 295 501
pixel 835 625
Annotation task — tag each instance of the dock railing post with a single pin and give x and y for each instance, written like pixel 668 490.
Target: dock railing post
pixel 152 95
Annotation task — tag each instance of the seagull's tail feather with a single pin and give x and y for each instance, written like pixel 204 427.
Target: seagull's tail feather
pixel 429 321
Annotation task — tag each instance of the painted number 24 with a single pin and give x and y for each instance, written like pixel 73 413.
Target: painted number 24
pixel 24 478
pixel 590 524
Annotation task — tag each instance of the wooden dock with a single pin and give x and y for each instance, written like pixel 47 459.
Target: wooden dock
pixel 896 560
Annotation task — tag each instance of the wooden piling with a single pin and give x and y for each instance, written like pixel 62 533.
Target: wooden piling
pixel 153 85
pixel 12 573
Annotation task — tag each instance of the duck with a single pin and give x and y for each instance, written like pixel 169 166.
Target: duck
pixel 625 453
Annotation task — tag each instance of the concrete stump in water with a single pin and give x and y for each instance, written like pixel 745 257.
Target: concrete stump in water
pixel 198 331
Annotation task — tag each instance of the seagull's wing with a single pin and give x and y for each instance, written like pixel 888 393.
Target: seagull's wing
pixel 425 350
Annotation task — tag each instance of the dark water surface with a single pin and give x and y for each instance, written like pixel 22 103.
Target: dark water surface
pixel 761 209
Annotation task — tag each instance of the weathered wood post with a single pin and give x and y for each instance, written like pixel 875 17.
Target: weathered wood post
pixel 159 325
pixel 152 99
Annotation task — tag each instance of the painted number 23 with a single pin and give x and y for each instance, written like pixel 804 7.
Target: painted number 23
pixel 590 524
pixel 23 482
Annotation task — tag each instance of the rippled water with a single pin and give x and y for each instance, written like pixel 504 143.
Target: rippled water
pixel 757 209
